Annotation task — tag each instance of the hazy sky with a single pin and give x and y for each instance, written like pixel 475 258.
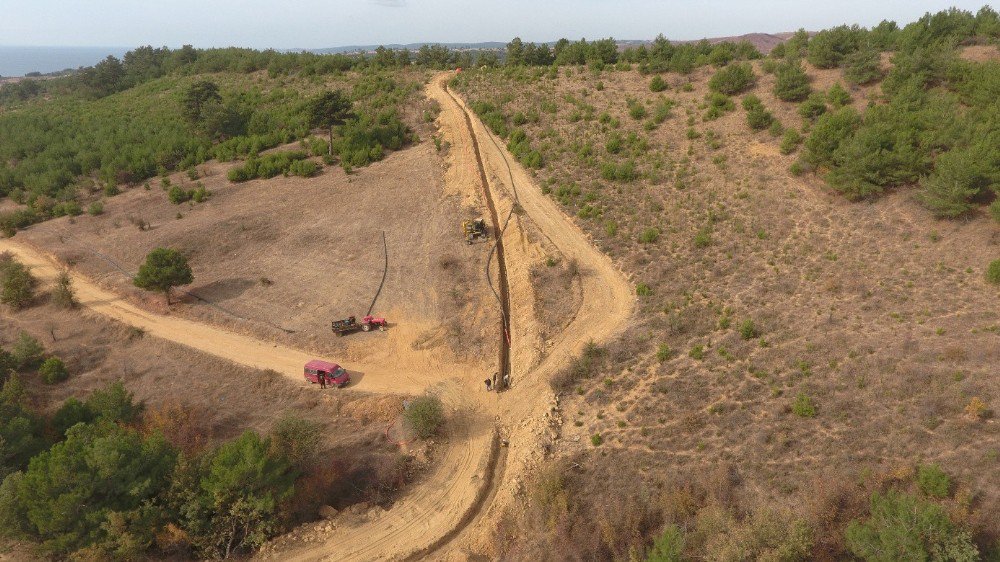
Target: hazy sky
pixel 327 23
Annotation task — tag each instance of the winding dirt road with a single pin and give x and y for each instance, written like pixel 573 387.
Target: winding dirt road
pixel 465 490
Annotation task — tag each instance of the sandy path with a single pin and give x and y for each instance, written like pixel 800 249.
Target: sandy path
pixel 376 376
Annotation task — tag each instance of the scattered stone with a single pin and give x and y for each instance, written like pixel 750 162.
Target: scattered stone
pixel 328 512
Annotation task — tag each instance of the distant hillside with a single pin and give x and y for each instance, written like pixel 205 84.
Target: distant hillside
pixel 486 45
pixel 764 42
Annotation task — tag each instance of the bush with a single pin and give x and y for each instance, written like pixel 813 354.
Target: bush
pixel 649 235
pixel 863 67
pixel 733 79
pixel 643 290
pixel 703 238
pixel 668 547
pixel 657 84
pixel 664 352
pixel 304 168
pixel 178 195
pixel 814 106
pixel 995 210
pixel 718 105
pixel 425 416
pixel 903 527
pixel 53 371
pixel 596 440
pixel 95 208
pixel 748 330
pixel 791 82
pixel 803 406
pixel 759 118
pixel 17 284
pixel 838 96
pixel 27 352
pixel 297 440
pixel 790 141
pixel 933 481
pixel 637 110
pixel 829 132
pixel 993 272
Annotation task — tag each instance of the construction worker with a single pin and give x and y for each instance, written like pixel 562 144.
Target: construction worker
pixel 322 380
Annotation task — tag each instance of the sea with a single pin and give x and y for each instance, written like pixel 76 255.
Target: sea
pixel 18 61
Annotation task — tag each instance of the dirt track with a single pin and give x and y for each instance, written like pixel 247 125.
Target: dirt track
pixel 439 505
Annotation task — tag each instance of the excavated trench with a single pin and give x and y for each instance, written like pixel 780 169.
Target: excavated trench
pixel 503 291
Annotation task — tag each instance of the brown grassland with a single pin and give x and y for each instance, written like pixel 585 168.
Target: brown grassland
pixel 792 349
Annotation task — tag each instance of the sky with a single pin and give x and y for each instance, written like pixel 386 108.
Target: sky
pixel 331 23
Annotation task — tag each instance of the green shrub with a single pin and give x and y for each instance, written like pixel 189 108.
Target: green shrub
pixel 178 195
pixel 863 67
pixel 718 105
pixel 643 290
pixel 703 238
pixel 425 416
pixel 649 235
pixel 624 172
pixel 664 352
pixel 751 101
pixel 828 48
pixel 697 352
pixel 657 84
pixel 95 208
pixel 759 118
pixel 838 96
pixel 733 79
pixel 995 210
pixel 596 439
pixel 637 110
pixel 933 481
pixel 53 371
pixel 903 527
pixel 303 168
pixel 791 82
pixel 814 106
pixel 668 546
pixel 17 284
pixel 790 141
pixel 62 294
pixel 803 406
pixel 27 352
pixel 297 440
pixel 993 272
pixel 830 131
pixel 748 330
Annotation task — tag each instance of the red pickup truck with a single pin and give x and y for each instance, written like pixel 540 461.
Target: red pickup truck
pixel 334 373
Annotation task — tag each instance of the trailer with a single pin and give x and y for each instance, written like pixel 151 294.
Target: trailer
pixel 351 324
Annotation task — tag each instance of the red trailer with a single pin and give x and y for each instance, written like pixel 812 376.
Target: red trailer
pixel 334 373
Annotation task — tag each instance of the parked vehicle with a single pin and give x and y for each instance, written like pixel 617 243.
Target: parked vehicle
pixel 334 373
pixel 350 324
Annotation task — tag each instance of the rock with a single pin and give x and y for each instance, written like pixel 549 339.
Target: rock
pixel 327 512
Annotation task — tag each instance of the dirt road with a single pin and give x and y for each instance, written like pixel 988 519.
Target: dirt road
pixel 449 501
pixel 440 506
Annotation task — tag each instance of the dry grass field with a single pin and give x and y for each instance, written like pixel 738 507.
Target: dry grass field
pixel 783 331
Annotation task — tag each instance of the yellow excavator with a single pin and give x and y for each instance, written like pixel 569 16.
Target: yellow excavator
pixel 473 229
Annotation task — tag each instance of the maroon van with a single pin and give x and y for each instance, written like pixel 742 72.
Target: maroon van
pixel 335 374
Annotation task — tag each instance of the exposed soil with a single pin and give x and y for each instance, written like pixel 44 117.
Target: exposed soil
pixel 876 311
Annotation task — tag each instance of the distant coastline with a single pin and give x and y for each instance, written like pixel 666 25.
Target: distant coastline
pixel 18 61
